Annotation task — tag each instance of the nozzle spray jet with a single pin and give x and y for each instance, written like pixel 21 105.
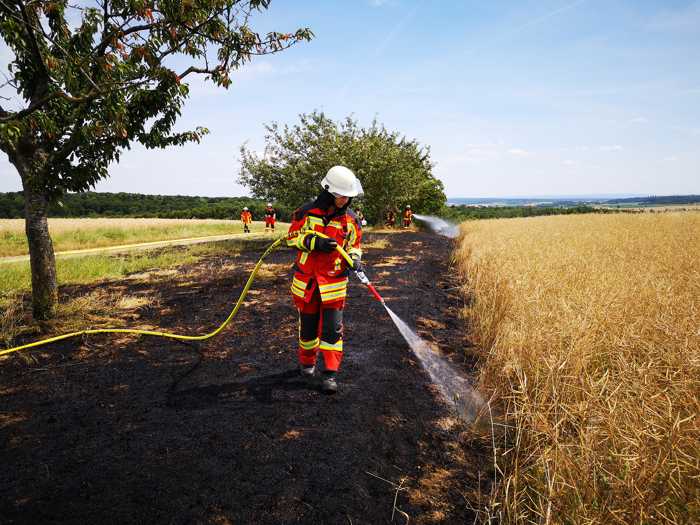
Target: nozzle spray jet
pixel 454 388
pixel 439 226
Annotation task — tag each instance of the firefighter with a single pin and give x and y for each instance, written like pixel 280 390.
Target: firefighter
pixel 407 216
pixel 319 285
pixel 246 219
pixel 270 217
pixel 390 218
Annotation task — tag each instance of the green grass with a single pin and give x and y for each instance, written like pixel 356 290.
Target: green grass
pixel 16 277
pixel 79 234
pixel 97 304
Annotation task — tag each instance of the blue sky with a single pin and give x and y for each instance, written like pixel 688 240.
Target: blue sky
pixel 515 98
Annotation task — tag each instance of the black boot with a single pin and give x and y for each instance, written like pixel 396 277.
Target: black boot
pixel 307 371
pixel 329 385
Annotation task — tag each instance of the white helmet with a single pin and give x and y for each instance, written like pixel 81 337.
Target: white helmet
pixel 408 206
pixel 245 208
pixel 269 205
pixel 341 181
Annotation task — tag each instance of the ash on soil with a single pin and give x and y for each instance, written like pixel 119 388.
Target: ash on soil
pixel 146 430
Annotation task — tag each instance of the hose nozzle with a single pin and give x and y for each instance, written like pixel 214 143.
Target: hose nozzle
pixel 362 277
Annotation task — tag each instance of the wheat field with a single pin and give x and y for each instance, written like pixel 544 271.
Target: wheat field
pixel 589 328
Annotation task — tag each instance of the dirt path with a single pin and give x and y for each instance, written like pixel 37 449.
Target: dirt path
pixel 143 246
pixel 150 431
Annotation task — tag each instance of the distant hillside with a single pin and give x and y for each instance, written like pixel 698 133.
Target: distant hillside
pixel 657 200
pixel 93 204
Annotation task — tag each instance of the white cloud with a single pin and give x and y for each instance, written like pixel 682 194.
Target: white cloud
pixel 615 147
pixel 671 158
pixel 638 120
pixel 519 152
pixel 569 162
pixel 380 3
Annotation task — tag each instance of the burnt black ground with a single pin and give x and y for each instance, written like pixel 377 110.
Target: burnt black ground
pixel 145 430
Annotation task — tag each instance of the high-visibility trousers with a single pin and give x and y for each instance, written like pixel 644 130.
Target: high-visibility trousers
pixel 270 222
pixel 320 330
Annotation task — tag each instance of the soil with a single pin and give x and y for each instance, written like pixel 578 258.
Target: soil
pixel 113 429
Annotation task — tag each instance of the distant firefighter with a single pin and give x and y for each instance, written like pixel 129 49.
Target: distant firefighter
pixel 270 218
pixel 407 216
pixel 390 219
pixel 246 219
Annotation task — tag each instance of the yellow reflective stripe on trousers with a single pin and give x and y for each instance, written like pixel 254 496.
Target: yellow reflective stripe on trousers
pixel 333 288
pixel 309 345
pixel 332 347
pixel 327 297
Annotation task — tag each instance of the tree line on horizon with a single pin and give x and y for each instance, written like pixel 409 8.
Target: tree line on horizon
pixel 95 204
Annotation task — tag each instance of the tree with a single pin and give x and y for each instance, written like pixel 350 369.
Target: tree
pixel 95 79
pixel 394 171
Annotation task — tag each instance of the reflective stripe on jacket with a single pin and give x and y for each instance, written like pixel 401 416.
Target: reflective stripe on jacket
pixel 327 271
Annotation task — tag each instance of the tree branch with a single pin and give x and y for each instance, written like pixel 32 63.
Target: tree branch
pixel 47 37
pixel 34 106
pixel 33 44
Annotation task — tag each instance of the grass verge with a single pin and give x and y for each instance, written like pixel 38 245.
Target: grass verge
pixel 96 308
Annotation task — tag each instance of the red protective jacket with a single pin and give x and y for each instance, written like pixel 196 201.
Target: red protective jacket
pixel 328 271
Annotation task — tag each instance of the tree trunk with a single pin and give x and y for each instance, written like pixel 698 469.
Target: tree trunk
pixel 41 254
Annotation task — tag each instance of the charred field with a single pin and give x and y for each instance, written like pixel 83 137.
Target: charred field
pixel 128 430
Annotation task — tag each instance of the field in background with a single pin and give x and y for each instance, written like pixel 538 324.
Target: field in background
pixel 669 207
pixel 590 332
pixel 78 234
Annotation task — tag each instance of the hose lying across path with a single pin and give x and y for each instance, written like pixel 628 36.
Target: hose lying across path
pixel 179 337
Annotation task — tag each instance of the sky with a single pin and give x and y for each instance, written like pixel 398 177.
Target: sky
pixel 514 98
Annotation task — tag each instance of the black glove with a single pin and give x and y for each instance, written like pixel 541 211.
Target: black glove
pixel 357 264
pixel 325 245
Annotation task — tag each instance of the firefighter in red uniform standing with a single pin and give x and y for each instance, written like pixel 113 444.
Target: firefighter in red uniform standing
pixel 270 217
pixel 407 216
pixel 319 286
pixel 246 219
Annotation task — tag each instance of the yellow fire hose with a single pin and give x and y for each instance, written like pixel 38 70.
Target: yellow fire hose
pixel 179 337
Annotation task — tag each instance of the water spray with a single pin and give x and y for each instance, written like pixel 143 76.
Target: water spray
pixel 453 387
pixel 439 226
